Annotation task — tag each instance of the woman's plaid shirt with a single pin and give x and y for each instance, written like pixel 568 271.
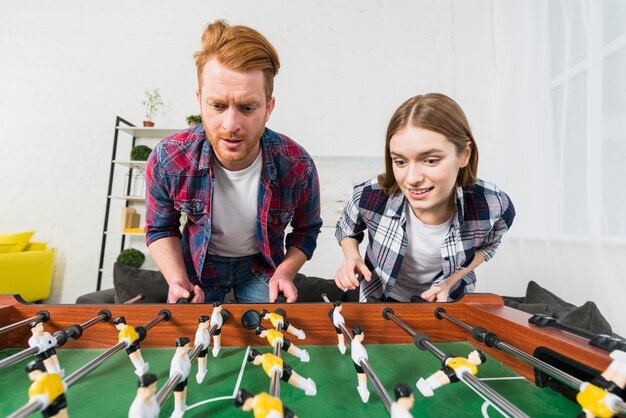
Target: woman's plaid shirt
pixel 483 214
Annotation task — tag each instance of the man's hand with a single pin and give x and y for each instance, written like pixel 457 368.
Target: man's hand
pixel 346 276
pixel 437 293
pixel 183 289
pixel 282 283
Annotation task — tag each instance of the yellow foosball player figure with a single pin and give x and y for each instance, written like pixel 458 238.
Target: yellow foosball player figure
pixel 273 364
pixel 262 405
pixel 451 372
pixel 275 337
pixel 599 397
pixel 128 335
pixel 48 389
pixel 401 408
pixel 145 404
pixel 279 320
pixel 45 342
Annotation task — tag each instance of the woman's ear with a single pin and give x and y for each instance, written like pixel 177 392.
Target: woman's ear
pixel 467 153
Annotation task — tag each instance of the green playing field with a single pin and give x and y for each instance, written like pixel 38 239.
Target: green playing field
pixel 109 390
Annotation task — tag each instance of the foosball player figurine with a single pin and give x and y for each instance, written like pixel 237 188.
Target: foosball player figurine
pixel 47 388
pixel 262 405
pixel 274 337
pixel 279 320
pixel 181 364
pixel 358 354
pixel 274 364
pixel 128 335
pixel 451 371
pixel 145 404
pixel 337 321
pixel 401 408
pixel 45 342
pixel 218 321
pixel 203 338
pixel 593 397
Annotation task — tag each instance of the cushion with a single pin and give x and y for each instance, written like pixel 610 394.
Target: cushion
pixel 15 242
pixel 310 289
pixel 128 282
pixel 539 295
pixel 97 298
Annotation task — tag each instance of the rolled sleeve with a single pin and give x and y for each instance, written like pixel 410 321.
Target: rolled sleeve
pixel 307 222
pixel 500 227
pixel 350 224
pixel 162 218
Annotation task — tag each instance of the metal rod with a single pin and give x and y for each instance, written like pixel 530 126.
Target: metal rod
pixel 275 378
pixel 168 388
pixel 28 409
pixel 491 340
pixel 137 298
pixel 71 379
pixel 498 400
pixel 40 315
pixel 275 384
pixel 422 340
pixel 369 373
pixel 378 386
pixel 18 356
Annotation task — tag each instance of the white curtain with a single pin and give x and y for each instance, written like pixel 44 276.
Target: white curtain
pixel 561 146
pixel 562 104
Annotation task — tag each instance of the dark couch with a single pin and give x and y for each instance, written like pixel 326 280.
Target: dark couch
pixel 128 282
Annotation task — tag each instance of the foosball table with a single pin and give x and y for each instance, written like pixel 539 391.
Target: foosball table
pixel 397 337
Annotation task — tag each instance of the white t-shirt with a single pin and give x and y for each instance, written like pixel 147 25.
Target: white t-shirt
pixel 234 211
pixel 422 261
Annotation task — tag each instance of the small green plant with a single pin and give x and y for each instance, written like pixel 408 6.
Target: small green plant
pixel 140 153
pixel 152 103
pixel 193 120
pixel 131 257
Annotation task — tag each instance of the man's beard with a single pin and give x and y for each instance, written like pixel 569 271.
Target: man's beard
pixel 245 138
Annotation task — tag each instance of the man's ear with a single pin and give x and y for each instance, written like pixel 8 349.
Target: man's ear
pixel 270 107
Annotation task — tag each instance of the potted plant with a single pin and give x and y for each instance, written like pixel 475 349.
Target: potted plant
pixel 152 103
pixel 193 120
pixel 140 153
pixel 131 257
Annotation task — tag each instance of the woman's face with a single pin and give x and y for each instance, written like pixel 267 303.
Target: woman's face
pixel 425 166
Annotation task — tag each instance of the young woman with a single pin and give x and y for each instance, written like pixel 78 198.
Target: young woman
pixel 430 221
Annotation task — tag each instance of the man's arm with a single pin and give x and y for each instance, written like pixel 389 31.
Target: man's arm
pixel 282 280
pixel 167 253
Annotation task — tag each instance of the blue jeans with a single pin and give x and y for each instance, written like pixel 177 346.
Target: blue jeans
pixel 236 273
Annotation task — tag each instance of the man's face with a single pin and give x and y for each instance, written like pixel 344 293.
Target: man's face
pixel 234 112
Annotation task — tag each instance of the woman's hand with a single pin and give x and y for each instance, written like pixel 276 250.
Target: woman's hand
pixel 437 293
pixel 347 274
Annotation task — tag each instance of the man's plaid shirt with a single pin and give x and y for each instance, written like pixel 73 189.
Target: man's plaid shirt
pixel 483 214
pixel 180 179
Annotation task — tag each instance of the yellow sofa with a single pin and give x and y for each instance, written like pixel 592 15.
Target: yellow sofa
pixel 28 272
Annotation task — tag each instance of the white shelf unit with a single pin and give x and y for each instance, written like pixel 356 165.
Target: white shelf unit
pixel 126 136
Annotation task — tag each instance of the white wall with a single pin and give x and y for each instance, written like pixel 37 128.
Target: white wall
pixel 68 68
